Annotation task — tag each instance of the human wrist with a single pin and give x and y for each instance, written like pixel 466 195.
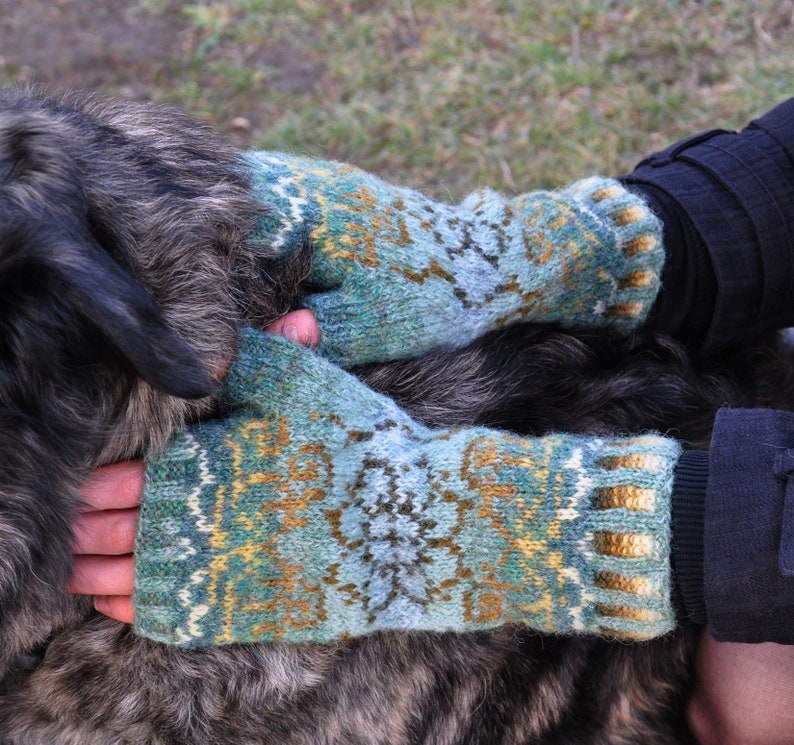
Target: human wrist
pixel 396 274
pixel 748 597
pixel 725 200
pixel 388 524
pixel 629 254
pixel 563 534
pixel 597 543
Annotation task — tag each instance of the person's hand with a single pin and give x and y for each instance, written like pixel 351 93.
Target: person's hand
pixel 319 509
pixel 105 532
pixel 104 537
pixel 395 274
pixel 299 326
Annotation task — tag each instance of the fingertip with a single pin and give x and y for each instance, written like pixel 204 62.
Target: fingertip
pixel 102 575
pixel 117 607
pixel 117 486
pixel 290 332
pixel 299 326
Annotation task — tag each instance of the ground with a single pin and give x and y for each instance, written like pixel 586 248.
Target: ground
pixel 90 44
pixel 445 95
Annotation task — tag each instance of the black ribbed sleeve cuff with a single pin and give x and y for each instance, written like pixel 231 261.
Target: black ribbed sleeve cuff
pixel 688 514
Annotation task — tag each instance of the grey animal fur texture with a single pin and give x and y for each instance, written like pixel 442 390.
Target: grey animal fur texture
pixel 125 272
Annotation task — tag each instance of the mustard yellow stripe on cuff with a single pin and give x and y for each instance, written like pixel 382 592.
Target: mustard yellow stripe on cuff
pixel 629 215
pixel 640 244
pixel 623 545
pixel 638 461
pixel 623 583
pixel 627 309
pixel 623 611
pixel 627 496
pixel 638 280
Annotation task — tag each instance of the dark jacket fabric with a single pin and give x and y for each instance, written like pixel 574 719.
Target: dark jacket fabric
pixel 733 528
pixel 749 527
pixel 726 200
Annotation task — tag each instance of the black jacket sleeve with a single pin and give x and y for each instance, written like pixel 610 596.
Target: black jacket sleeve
pixel 733 528
pixel 749 527
pixel 726 200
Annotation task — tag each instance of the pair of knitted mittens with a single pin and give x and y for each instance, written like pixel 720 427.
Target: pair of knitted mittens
pixel 319 510
pixel 398 274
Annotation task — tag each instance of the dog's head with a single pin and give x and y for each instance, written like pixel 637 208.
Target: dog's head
pixel 122 257
pixel 62 292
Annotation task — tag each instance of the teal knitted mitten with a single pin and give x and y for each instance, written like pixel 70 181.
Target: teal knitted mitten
pixel 398 274
pixel 319 510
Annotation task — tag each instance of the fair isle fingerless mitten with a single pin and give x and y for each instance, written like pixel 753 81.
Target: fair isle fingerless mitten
pixel 397 274
pixel 319 510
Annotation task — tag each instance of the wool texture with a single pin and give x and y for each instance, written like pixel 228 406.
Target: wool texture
pixel 318 510
pixel 397 274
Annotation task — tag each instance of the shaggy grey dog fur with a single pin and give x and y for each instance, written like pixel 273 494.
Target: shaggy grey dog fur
pixel 125 274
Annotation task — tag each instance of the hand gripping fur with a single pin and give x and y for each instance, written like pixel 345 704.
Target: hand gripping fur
pixel 397 274
pixel 319 510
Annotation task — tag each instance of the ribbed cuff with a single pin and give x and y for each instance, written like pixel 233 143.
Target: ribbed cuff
pixel 170 544
pixel 631 513
pixel 685 305
pixel 688 515
pixel 638 239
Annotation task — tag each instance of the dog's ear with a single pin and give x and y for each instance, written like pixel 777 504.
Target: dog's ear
pixel 84 279
pixel 44 223
pixel 92 283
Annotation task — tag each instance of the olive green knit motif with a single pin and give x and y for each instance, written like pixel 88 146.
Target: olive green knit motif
pixel 397 274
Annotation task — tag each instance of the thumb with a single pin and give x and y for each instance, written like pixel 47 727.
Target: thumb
pixel 299 326
pixel 339 323
pixel 273 374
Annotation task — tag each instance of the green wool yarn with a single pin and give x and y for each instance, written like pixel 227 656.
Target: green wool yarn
pixel 400 274
pixel 319 510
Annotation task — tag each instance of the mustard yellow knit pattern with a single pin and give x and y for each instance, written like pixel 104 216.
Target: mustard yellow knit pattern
pixel 396 274
pixel 319 510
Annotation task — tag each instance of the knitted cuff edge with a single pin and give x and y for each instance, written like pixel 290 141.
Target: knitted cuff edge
pixel 638 238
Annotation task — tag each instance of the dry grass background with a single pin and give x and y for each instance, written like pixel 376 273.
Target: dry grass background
pixel 445 95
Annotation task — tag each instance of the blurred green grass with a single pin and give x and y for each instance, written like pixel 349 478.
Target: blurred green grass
pixel 449 95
